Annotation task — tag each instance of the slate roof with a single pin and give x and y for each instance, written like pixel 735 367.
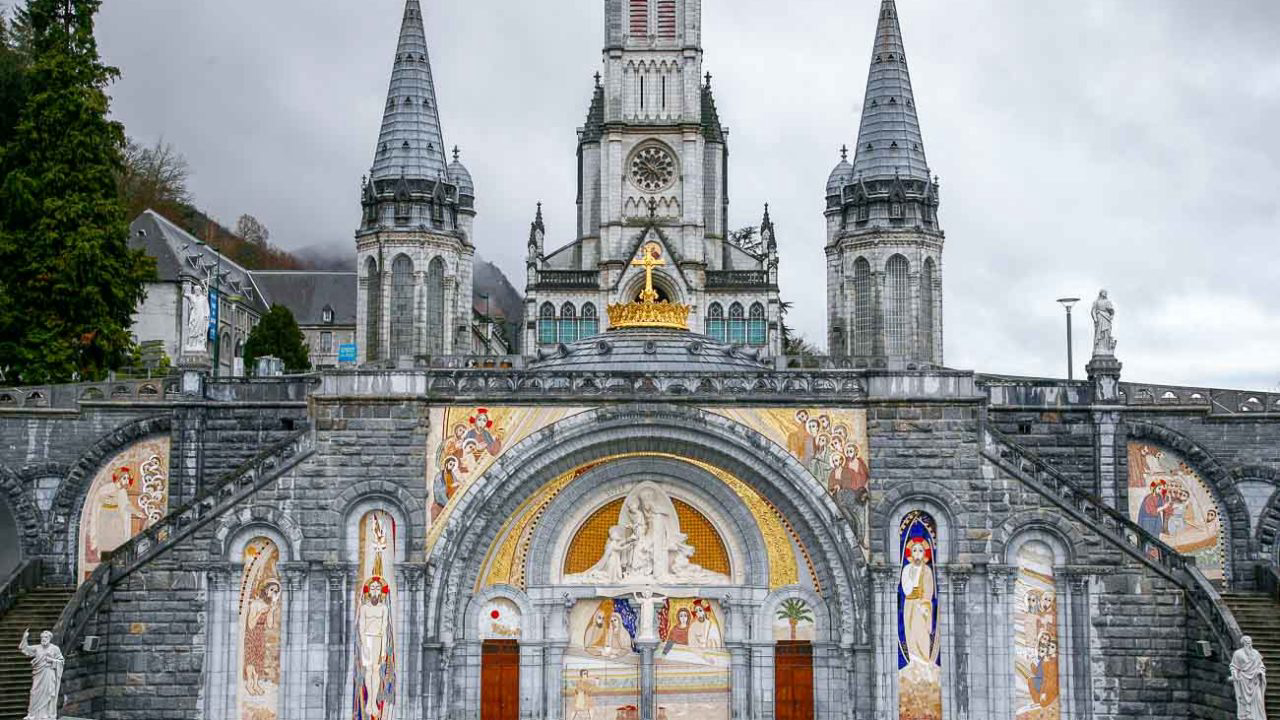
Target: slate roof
pixel 411 143
pixel 306 293
pixel 889 140
pixel 179 253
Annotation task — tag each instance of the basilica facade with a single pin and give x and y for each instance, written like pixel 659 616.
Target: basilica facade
pixel 651 514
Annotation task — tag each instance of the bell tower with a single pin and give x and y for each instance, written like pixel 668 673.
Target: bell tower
pixel 884 243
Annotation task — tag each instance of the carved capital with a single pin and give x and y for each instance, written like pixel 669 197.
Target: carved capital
pixel 218 576
pixel 294 575
pixel 1002 578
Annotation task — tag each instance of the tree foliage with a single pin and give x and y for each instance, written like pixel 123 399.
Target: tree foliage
pixel 15 61
pixel 154 178
pixel 277 334
pixel 70 282
pixel 249 229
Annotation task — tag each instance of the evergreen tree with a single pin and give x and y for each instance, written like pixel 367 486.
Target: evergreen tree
pixel 14 62
pixel 70 282
pixel 277 334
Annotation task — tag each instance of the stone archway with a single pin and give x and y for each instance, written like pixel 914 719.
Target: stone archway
pixel 473 526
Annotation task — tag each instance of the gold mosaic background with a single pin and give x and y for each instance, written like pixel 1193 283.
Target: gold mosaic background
pixel 588 545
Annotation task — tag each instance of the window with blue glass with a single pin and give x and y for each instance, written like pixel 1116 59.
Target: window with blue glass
pixel 756 332
pixel 547 324
pixel 715 322
pixel 590 324
pixel 568 323
pixel 737 325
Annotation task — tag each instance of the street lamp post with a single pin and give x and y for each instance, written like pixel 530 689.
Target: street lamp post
pixel 1067 302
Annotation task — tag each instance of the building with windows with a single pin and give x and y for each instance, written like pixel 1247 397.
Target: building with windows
pixel 653 166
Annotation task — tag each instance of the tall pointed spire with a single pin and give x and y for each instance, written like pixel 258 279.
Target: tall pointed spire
pixel 889 140
pixel 411 143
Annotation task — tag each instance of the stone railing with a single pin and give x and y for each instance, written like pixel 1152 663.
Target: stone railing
pixel 69 396
pixel 171 529
pixel 568 280
pixel 1122 532
pixel 737 278
pixel 24 578
pixel 1218 401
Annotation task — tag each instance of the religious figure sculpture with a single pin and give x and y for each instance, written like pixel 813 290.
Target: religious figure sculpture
pixel 195 331
pixel 46 676
pixel 646 546
pixel 1104 314
pixel 1249 675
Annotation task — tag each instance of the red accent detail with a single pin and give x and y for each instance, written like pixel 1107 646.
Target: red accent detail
pixel 495 614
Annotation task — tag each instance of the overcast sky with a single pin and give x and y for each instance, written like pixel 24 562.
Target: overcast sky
pixel 1124 144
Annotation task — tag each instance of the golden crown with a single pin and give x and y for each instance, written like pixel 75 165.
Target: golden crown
pixel 650 315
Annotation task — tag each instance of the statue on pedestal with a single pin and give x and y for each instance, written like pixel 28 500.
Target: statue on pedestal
pixel 46 676
pixel 1104 315
pixel 195 327
pixel 1249 676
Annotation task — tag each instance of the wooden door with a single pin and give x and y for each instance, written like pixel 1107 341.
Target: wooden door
pixel 793 680
pixel 500 680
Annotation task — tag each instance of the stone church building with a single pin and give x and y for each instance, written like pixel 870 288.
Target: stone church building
pixel 651 514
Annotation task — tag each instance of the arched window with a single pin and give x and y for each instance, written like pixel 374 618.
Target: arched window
pixel 568 323
pixel 897 307
pixel 435 307
pixel 547 324
pixel 401 307
pixel 919 662
pixel 715 322
pixel 926 308
pixel 756 329
pixel 373 313
pixel 590 325
pixel 737 325
pixel 863 311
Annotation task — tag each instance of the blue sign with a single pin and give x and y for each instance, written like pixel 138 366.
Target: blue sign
pixel 347 353
pixel 213 314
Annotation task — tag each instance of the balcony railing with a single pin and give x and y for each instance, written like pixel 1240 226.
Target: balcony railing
pixel 569 280
pixel 736 278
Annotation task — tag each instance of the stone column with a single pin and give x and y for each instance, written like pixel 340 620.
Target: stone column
pixel 647 679
pixel 1000 641
pixel 219 677
pixel 339 646
pixel 884 585
pixel 739 680
pixel 1110 487
pixel 960 642
pixel 553 678
pixel 412 576
pixel 1075 621
pixel 293 641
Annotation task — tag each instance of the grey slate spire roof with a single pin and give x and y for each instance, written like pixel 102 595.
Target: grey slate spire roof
pixel 410 144
pixel 889 140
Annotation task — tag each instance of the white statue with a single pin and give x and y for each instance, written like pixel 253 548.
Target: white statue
pixel 1104 315
pixel 46 676
pixel 1249 676
pixel 648 630
pixel 646 546
pixel 195 329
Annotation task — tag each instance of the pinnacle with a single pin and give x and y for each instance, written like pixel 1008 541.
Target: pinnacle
pixel 889 139
pixel 410 142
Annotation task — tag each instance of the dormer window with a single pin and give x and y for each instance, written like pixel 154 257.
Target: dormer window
pixel 864 212
pixel 326 315
pixel 895 210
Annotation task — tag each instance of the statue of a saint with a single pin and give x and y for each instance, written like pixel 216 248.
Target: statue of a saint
pixel 1104 315
pixel 1249 676
pixel 46 676
pixel 195 331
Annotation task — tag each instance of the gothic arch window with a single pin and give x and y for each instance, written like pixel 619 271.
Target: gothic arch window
pixel 568 323
pixel 864 318
pixel 547 324
pixel 435 307
pixel 373 313
pixel 927 280
pixel 715 322
pixel 756 328
pixel 401 307
pixel 737 325
pixel 590 324
pixel 897 310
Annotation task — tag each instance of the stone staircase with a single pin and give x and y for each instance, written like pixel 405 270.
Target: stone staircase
pixel 38 610
pixel 1259 617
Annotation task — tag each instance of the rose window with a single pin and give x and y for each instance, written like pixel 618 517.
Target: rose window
pixel 653 169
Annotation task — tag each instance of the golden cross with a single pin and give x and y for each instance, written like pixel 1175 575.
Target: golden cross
pixel 650 258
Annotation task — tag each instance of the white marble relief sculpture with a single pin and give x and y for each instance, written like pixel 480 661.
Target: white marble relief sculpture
pixel 46 676
pixel 646 546
pixel 195 329
pixel 1249 675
